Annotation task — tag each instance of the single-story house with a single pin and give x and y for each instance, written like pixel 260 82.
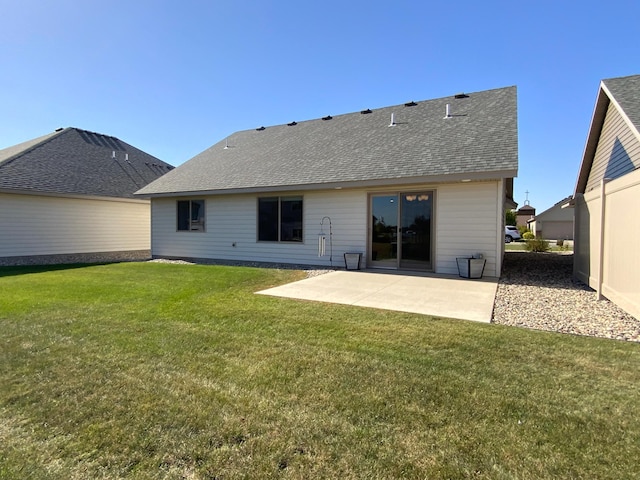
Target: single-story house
pixel 555 223
pixel 411 186
pixel 68 197
pixel 607 196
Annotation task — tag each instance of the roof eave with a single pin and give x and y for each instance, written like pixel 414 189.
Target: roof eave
pixel 593 136
pixel 79 196
pixel 374 183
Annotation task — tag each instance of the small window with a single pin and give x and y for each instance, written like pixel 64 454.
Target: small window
pixel 191 215
pixel 280 219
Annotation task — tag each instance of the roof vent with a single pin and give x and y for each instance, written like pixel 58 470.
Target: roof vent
pixel 447 113
pixel 410 104
pixel 328 117
pixel 59 129
pixel 364 112
pixel 260 129
pixel 393 121
pixel 113 154
pixel 461 95
pixel 292 124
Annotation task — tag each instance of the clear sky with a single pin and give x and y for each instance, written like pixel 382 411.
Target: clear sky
pixel 174 77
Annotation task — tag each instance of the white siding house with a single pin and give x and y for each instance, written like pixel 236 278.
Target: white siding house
pixel 68 197
pixel 607 196
pixel 407 187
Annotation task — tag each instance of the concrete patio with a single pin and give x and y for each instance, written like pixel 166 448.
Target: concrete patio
pixel 429 294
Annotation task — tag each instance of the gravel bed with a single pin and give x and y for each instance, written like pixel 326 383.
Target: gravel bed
pixel 537 290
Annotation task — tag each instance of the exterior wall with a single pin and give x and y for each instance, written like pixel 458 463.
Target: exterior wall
pixel 617 153
pixel 470 220
pixel 231 229
pixel 467 217
pixel 606 257
pixel 42 226
pixel 554 230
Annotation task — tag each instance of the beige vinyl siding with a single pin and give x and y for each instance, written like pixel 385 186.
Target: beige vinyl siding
pixel 555 230
pixel 618 255
pixel 467 223
pixel 608 160
pixel 232 219
pixel 41 225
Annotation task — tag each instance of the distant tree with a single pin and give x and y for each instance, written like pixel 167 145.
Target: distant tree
pixel 510 217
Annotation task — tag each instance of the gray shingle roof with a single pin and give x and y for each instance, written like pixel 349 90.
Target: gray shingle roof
pixel 626 91
pixel 480 138
pixel 71 161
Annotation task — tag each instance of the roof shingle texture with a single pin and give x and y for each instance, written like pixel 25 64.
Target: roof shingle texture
pixel 77 162
pixel 480 136
pixel 626 91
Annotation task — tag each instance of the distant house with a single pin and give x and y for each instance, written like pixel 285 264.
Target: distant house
pixel 607 196
pixel 412 186
pixel 555 223
pixel 68 197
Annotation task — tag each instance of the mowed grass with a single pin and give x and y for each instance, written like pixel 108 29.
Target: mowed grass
pixel 152 371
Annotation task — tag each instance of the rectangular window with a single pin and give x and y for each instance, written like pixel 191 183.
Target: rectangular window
pixel 280 219
pixel 190 215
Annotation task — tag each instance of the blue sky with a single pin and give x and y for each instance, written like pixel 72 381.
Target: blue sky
pixel 174 77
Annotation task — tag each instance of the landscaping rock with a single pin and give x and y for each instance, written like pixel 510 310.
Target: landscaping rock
pixel 537 290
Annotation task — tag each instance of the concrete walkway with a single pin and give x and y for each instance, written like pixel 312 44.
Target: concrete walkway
pixel 438 295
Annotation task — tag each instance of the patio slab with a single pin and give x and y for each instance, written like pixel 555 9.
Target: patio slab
pixel 438 295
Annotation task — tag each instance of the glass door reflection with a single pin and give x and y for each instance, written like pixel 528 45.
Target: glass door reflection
pixel 401 230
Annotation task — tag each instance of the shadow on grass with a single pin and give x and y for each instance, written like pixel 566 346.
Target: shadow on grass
pixel 29 269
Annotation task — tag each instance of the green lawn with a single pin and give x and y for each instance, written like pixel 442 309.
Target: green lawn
pixel 179 371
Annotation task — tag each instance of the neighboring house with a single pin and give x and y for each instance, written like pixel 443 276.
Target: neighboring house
pixel 555 223
pixel 607 196
pixel 68 197
pixel 411 186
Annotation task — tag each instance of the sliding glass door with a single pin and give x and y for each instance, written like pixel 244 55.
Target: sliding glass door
pixel 401 230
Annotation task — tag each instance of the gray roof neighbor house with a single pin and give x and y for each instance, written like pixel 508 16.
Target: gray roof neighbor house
pixel 68 197
pixel 472 136
pixel 624 94
pixel 607 196
pixel 71 161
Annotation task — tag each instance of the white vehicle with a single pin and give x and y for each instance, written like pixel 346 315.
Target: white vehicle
pixel 511 233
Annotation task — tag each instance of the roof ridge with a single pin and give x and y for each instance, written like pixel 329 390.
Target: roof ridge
pixel 410 103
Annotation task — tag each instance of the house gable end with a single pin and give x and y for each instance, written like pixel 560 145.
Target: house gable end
pixel 617 152
pixel 613 143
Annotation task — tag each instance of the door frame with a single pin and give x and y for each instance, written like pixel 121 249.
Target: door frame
pixel 369 248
